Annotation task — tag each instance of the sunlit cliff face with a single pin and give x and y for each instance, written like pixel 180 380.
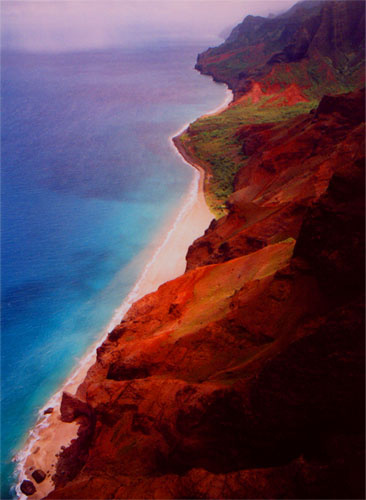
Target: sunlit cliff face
pixel 62 25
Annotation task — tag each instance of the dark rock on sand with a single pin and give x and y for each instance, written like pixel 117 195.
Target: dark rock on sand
pixel 27 487
pixel 38 475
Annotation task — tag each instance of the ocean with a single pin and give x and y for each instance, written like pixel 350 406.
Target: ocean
pixel 89 177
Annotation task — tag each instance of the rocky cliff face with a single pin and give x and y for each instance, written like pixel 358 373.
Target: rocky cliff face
pixel 278 68
pixel 244 377
pixel 317 46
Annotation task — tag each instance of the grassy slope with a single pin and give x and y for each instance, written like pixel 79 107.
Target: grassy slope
pixel 212 141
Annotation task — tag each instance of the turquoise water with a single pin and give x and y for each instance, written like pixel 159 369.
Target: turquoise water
pixel 88 178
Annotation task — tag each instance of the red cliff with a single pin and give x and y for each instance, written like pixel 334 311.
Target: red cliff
pixel 244 378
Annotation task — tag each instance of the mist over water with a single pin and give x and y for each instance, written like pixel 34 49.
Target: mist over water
pixel 91 93
pixel 64 25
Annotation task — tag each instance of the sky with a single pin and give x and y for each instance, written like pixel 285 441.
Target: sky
pixel 67 25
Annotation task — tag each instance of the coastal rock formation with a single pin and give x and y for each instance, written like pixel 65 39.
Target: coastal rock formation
pixel 244 377
pixel 72 408
pixel 72 459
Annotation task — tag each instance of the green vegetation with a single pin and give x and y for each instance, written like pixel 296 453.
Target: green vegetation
pixel 213 141
pixel 229 67
pixel 316 77
pixel 272 53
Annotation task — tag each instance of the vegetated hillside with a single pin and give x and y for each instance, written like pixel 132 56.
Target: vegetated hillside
pixel 288 165
pixel 315 47
pixel 278 68
pixel 244 377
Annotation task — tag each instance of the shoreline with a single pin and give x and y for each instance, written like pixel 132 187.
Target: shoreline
pixel 183 152
pixel 49 434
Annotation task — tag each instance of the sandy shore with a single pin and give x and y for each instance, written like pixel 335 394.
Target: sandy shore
pixel 167 262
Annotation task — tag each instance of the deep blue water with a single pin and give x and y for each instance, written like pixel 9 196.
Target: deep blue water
pixel 88 177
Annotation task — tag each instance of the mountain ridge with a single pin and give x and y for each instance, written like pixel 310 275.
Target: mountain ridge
pixel 329 34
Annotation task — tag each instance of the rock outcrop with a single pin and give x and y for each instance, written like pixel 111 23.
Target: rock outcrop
pixel 72 459
pixel 39 475
pixel 27 487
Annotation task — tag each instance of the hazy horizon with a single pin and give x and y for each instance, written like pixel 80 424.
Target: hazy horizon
pixel 67 25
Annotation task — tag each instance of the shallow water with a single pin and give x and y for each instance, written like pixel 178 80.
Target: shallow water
pixel 89 177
